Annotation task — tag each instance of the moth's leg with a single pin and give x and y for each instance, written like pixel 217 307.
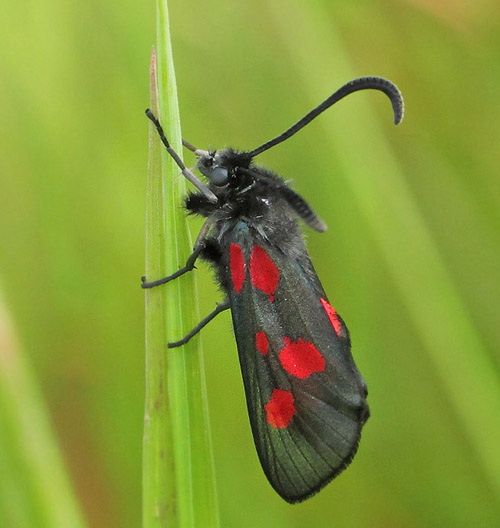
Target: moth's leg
pixel 188 267
pixel 192 148
pixel 199 245
pixel 185 171
pixel 220 308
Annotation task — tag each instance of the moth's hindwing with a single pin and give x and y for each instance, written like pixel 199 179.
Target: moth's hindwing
pixel 306 399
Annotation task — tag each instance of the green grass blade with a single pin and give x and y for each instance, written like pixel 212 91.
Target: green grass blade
pixel 179 479
pixel 158 476
pixel 34 487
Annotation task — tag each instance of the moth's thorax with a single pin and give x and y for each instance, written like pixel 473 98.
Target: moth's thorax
pixel 243 190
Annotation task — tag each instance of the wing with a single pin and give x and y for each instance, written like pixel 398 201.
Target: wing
pixel 305 397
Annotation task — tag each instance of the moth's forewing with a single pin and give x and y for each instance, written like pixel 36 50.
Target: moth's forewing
pixel 305 396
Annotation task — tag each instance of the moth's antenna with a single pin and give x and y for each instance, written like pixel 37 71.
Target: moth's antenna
pixel 363 83
pixel 185 171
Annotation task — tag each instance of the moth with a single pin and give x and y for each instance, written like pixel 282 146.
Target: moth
pixel 305 396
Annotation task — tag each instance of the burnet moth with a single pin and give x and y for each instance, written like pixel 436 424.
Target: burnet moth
pixel 306 399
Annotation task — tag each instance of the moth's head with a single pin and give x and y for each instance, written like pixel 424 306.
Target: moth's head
pixel 219 167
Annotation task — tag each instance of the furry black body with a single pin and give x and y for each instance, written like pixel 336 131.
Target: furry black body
pixel 253 195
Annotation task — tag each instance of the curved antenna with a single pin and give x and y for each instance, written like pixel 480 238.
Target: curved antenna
pixel 363 83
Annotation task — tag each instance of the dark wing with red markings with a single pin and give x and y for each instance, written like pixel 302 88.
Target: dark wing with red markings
pixel 306 399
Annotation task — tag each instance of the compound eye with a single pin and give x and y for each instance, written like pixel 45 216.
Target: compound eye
pixel 218 176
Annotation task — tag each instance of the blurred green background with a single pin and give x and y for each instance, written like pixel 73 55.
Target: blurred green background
pixel 411 259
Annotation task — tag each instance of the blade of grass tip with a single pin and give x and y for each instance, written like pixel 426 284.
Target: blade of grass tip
pixel 34 486
pixel 191 461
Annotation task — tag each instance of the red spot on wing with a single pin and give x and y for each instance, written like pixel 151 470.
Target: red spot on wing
pixel 332 315
pixel 262 343
pixel 301 358
pixel 263 272
pixel 237 266
pixel 280 409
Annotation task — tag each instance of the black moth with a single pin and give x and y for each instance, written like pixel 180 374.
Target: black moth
pixel 306 399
